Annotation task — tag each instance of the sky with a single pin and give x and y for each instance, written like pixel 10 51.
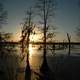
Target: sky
pixel 66 19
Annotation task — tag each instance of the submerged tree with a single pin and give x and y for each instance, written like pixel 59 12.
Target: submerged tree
pixel 69 43
pixel 26 32
pixel 46 11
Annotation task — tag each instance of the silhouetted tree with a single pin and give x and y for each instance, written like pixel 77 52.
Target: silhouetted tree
pixel 45 10
pixel 26 32
pixel 50 38
pixel 3 18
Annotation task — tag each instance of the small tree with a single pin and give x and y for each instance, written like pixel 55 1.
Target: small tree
pixel 69 43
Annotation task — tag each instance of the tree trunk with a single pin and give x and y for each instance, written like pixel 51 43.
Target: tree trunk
pixel 28 70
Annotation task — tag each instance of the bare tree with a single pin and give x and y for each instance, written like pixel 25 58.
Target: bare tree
pixel 69 43
pixel 78 33
pixel 46 11
pixel 26 32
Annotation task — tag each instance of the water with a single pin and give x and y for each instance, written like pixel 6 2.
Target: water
pixel 55 62
pixel 61 65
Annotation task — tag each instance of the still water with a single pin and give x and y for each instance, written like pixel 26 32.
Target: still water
pixel 36 60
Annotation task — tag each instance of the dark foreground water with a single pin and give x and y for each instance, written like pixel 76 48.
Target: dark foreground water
pixel 62 66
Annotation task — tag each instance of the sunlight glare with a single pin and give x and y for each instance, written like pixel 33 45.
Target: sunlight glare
pixel 30 49
pixel 17 36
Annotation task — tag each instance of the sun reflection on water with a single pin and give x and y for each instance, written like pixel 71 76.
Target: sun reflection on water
pixel 35 59
pixel 30 50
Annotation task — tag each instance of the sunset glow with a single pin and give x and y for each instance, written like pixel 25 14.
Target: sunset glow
pixel 30 50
